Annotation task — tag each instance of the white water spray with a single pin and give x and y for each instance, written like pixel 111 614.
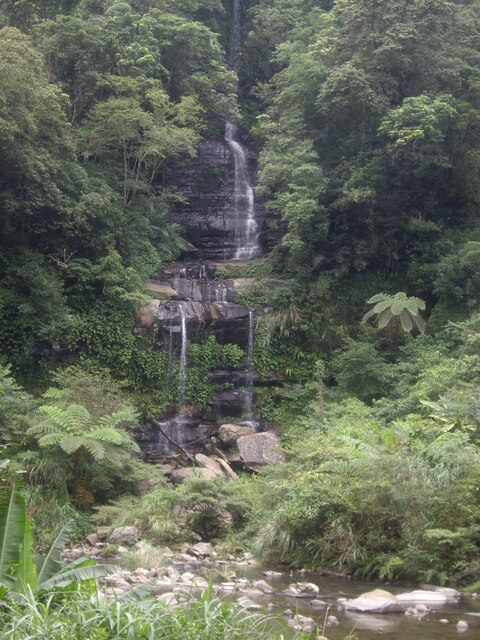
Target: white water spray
pixel 246 228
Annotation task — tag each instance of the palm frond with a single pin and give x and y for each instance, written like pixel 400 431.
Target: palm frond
pixel 139 592
pixel 51 564
pixel 12 526
pixel 79 574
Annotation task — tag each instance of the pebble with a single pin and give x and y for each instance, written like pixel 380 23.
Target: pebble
pixel 444 621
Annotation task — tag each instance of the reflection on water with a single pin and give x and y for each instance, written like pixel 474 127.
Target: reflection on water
pixel 395 626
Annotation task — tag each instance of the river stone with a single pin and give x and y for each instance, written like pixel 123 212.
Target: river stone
pixel 452 594
pixel 102 532
pixel 260 449
pixel 248 604
pixel 125 535
pixel 228 434
pixel 376 601
pixel 179 475
pixel 201 549
pixel 263 586
pixel 92 539
pixel 422 597
pixel 301 590
pixel 302 623
pixel 169 599
pixel 205 462
pixel 227 469
pixel 318 604
pixel 272 574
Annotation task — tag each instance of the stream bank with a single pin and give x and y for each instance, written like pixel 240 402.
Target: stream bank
pixel 296 600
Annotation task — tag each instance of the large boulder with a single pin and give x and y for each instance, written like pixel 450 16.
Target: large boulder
pixel 147 314
pixel 424 597
pixel 125 535
pixel 228 434
pixel 205 462
pixel 376 601
pixel 227 469
pixel 179 475
pixel 259 449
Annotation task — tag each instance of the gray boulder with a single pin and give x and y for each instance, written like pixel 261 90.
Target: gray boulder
pixel 301 590
pixel 125 535
pixel 208 463
pixel 179 475
pixel 259 449
pixel 263 586
pixel 228 434
pixel 376 601
pixel 423 597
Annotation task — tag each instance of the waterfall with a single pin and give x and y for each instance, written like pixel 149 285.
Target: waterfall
pixel 183 359
pixel 221 292
pixel 248 397
pixel 246 234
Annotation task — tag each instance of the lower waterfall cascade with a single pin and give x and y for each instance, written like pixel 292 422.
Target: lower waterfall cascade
pixel 202 302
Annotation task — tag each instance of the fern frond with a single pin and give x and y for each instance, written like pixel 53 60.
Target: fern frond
pixel 420 322
pixel 70 444
pixel 115 437
pixel 125 416
pixel 42 428
pixel 94 448
pixel 110 435
pixel 384 318
pixel 379 297
pixel 406 321
pixel 50 439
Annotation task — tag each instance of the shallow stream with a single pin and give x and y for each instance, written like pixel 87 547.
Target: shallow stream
pixel 365 626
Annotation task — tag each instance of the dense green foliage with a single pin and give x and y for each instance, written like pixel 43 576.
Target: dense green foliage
pixel 366 119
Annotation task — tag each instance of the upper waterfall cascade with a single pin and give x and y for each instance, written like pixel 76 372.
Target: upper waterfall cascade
pixel 223 222
pixel 246 228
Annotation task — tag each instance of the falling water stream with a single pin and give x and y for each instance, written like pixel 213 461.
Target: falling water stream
pixel 248 393
pixel 246 232
pixel 183 360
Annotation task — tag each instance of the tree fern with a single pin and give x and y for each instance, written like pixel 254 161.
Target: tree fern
pixel 400 310
pixel 85 439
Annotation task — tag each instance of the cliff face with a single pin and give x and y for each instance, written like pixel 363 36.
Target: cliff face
pixel 209 214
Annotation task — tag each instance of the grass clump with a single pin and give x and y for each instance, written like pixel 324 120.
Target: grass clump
pixel 82 618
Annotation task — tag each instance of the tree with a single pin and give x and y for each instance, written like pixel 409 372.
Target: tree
pixel 396 311
pixel 78 441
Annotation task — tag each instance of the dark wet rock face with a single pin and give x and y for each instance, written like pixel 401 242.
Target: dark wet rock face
pixel 209 213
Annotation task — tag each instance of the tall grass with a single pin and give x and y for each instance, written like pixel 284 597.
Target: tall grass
pixel 80 617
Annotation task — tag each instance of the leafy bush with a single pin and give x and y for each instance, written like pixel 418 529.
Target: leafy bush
pixel 198 508
pixel 387 501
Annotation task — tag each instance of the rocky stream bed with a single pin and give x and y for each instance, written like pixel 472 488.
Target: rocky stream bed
pixel 319 605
